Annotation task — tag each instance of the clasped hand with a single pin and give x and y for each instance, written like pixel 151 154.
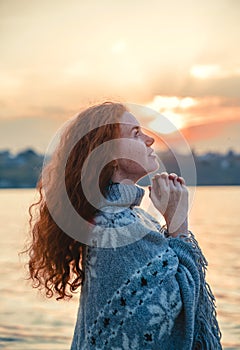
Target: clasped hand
pixel 169 195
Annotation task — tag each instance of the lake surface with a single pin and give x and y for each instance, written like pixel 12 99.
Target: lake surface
pixel 29 321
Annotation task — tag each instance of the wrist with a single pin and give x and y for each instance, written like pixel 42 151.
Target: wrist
pixel 174 232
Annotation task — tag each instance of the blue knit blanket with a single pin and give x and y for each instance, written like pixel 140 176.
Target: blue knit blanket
pixel 143 289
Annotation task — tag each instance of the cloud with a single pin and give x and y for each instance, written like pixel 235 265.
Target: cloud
pixel 214 136
pixel 97 54
pixel 212 109
pixel 214 71
pixel 188 110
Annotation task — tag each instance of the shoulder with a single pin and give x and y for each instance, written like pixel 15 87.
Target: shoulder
pixel 150 256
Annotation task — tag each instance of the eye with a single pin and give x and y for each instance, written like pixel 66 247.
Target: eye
pixel 136 133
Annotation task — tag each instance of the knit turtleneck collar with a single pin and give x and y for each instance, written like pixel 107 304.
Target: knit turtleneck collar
pixel 119 220
pixel 122 195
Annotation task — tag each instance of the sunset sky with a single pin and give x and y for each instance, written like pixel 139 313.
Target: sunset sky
pixel 179 57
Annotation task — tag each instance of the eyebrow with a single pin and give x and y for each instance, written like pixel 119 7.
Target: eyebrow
pixel 135 127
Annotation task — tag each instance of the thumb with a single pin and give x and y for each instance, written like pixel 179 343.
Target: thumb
pixel 153 196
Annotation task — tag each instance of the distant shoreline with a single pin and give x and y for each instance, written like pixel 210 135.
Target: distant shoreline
pixel 212 169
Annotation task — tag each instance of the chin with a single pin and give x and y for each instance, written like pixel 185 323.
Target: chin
pixel 150 170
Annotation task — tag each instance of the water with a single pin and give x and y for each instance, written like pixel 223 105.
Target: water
pixel 29 321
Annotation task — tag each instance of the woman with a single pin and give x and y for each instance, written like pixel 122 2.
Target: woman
pixel 142 285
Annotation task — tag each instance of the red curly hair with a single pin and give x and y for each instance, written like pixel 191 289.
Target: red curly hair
pixel 56 260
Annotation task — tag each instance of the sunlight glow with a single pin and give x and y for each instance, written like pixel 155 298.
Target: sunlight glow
pixel 214 71
pixel 187 102
pixel 168 123
pixel 205 71
pixel 160 103
pixel 163 103
pixel 169 106
pixel 118 47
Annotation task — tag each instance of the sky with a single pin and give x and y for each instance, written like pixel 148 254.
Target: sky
pixel 179 58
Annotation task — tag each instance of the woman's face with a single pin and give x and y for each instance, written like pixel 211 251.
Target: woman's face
pixel 137 157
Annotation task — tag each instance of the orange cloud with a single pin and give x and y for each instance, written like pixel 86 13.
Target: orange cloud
pixel 204 131
pixel 214 136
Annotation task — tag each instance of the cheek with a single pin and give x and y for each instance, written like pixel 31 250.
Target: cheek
pixel 133 159
pixel 130 166
pixel 132 150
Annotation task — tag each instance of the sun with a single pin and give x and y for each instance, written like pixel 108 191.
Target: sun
pixel 167 123
pixel 168 117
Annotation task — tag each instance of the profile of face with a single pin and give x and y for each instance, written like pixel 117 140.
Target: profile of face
pixel 136 157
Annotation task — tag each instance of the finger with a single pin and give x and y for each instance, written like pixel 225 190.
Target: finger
pixel 164 175
pixel 162 183
pixel 164 193
pixel 173 180
pixel 181 180
pixel 172 176
pixel 177 180
pixel 177 183
pixel 172 185
pixel 156 175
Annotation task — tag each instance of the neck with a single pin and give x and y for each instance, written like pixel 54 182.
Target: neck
pixel 124 178
pixel 121 195
pixel 123 181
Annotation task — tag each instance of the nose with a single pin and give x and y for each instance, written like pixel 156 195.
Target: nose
pixel 149 140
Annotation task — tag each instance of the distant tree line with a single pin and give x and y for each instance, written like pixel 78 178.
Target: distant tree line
pixel 23 169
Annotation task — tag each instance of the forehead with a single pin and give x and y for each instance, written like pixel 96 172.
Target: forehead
pixel 129 119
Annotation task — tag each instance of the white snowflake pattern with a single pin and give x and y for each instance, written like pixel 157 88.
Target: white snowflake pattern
pixel 165 313
pixel 130 344
pixel 113 237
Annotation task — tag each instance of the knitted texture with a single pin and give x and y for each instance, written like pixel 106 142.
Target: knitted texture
pixel 142 289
